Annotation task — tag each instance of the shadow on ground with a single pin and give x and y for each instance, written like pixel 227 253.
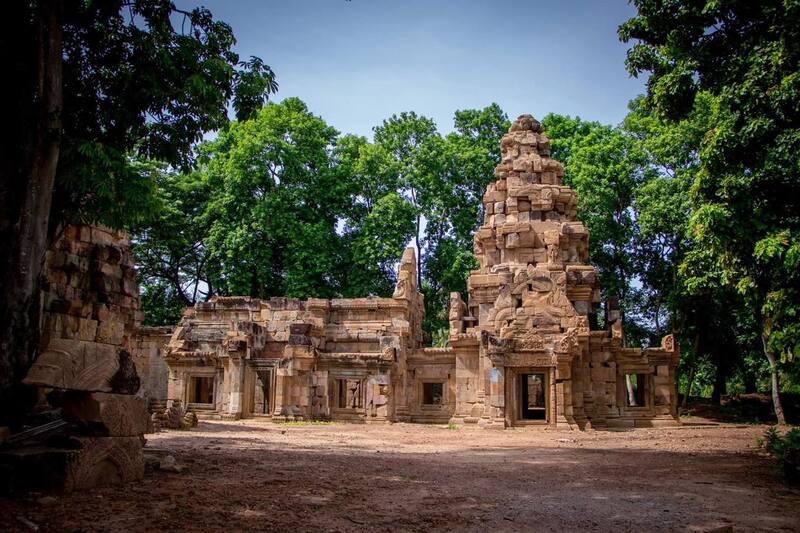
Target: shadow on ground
pixel 341 478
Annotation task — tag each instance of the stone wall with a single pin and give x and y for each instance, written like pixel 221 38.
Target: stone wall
pixel 316 358
pixel 148 349
pixel 85 371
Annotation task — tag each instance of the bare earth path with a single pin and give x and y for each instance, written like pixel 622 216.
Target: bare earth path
pixel 254 475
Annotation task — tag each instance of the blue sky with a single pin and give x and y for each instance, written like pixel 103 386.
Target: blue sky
pixel 355 63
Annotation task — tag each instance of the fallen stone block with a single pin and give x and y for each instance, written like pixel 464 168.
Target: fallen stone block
pixel 89 462
pixel 105 461
pixel 85 366
pixel 169 464
pixel 110 415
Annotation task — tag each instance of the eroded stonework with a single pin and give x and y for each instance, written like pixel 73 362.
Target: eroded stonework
pixel 88 427
pixel 521 348
pixel 525 352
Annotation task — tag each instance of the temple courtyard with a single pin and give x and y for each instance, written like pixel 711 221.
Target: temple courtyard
pixel 257 475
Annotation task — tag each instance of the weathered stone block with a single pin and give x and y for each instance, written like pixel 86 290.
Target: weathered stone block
pixel 84 366
pixel 111 415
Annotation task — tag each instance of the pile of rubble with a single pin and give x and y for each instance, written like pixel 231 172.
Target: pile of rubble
pixel 173 417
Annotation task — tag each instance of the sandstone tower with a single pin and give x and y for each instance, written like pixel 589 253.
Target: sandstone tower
pixel 530 305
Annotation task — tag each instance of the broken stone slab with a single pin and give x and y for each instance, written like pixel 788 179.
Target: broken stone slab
pixel 95 462
pixel 106 461
pixel 169 464
pixel 111 415
pixel 85 366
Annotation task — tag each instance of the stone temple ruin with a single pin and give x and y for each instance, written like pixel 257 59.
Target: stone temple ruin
pixel 522 350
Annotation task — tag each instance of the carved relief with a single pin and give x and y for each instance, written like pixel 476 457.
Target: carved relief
pixel 668 343
pixel 530 341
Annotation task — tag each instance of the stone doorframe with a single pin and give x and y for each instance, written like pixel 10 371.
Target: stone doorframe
pixel 514 397
pixel 252 382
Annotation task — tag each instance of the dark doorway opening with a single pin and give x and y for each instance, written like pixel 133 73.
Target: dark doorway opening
pixel 203 390
pixel 533 404
pixel 262 400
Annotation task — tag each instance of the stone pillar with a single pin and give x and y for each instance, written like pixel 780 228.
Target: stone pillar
pixel 497 395
pixel 281 377
pixel 236 381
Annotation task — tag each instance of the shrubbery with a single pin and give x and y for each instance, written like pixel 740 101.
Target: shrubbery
pixel 786 449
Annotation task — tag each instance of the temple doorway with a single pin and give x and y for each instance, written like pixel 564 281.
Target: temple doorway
pixel 262 392
pixel 201 391
pixel 532 396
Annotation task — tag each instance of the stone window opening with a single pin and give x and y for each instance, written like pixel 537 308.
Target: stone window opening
pixel 518 302
pixel 349 394
pixel 433 393
pixel 635 390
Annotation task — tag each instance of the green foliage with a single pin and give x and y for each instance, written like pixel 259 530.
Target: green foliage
pixel 272 219
pixel 170 253
pixel 786 449
pixel 379 222
pixel 160 304
pixel 443 178
pixel 440 337
pixel 142 81
pixel 280 204
pixel 745 194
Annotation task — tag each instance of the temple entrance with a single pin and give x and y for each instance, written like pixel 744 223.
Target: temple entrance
pixel 532 396
pixel 201 391
pixel 261 400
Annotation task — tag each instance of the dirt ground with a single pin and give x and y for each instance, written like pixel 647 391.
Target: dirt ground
pixel 255 475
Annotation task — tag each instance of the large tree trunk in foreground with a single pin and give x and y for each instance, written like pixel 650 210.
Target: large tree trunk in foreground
pixel 776 386
pixel 25 228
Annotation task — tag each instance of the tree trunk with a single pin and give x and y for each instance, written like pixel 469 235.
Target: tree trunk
pixel 24 255
pixel 690 377
pixel 720 374
pixel 419 255
pixel 776 387
pixel 750 381
pixel 689 383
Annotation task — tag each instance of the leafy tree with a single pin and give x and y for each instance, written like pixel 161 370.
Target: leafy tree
pixel 444 179
pixel 170 251
pixel 662 209
pixel 272 219
pixel 97 89
pixel 403 136
pixel 456 170
pixel 746 54
pixel 380 221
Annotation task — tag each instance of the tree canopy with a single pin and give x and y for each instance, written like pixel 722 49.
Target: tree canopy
pixel 745 195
